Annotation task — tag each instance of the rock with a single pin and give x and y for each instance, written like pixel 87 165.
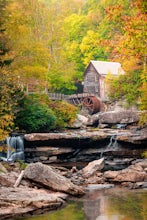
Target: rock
pixel 141 185
pixel 79 122
pixel 138 185
pixel 48 177
pixel 102 126
pixel 74 169
pixel 142 163
pixel 43 158
pixel 82 119
pixel 135 137
pixel 82 146
pixel 136 167
pixel 119 117
pixel 8 179
pixel 127 185
pixel 48 150
pixel 64 136
pixel 93 120
pixel 120 106
pixel 133 173
pixel 92 187
pixel 93 167
pixel 96 179
pixel 130 176
pixel 77 179
pixel 53 158
pixel 16 202
pixel 2 168
pixel 111 174
pixel 76 124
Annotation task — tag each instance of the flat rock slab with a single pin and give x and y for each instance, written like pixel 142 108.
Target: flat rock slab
pixel 92 187
pixel 16 202
pixel 136 137
pixel 130 136
pixel 65 135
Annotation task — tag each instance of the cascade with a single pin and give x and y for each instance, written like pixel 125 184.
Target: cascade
pixel 15 149
pixel 113 144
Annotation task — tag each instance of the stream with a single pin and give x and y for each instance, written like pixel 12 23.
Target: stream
pixel 108 204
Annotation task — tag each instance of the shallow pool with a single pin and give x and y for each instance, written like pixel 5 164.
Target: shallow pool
pixel 110 204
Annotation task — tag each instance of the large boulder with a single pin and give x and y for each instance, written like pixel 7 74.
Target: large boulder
pixel 80 121
pixel 134 173
pixel 93 120
pixel 93 167
pixel 50 178
pixel 119 117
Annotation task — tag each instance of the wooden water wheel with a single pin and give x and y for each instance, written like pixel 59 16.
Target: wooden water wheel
pixel 92 104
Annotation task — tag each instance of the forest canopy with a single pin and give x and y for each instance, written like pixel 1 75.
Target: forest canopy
pixel 52 41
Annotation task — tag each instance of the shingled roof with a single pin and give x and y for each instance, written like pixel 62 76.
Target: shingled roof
pixel 104 67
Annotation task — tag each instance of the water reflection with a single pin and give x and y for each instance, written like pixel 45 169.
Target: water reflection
pixel 112 204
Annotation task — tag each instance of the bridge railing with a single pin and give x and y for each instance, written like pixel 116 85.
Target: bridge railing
pixel 60 96
pixel 32 89
pixel 57 96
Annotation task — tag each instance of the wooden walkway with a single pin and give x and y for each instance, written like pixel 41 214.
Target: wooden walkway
pixel 32 89
pixel 60 96
pixel 88 100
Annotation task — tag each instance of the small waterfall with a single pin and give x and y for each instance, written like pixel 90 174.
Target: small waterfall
pixel 15 150
pixel 113 144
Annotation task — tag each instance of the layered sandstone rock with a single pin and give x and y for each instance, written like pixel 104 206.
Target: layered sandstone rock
pixel 134 173
pixel 48 177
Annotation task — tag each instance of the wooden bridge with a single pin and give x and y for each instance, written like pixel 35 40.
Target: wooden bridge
pixel 83 100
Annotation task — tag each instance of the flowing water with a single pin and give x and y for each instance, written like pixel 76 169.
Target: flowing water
pixel 113 145
pixel 110 204
pixel 15 149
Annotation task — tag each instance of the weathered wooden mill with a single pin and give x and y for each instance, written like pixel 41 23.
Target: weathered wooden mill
pixel 95 90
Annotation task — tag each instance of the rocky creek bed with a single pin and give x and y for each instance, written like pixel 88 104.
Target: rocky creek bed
pixel 78 147
pixel 40 188
pixel 63 164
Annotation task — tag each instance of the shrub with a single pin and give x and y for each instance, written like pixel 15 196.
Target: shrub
pixel 144 154
pixel 35 116
pixel 65 113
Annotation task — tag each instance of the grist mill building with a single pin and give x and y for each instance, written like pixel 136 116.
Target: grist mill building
pixel 95 77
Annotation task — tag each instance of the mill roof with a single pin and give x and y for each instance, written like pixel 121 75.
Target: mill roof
pixel 104 67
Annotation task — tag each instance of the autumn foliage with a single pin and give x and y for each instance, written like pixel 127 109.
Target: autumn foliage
pixel 10 94
pixel 37 113
pixel 64 112
pixel 52 42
